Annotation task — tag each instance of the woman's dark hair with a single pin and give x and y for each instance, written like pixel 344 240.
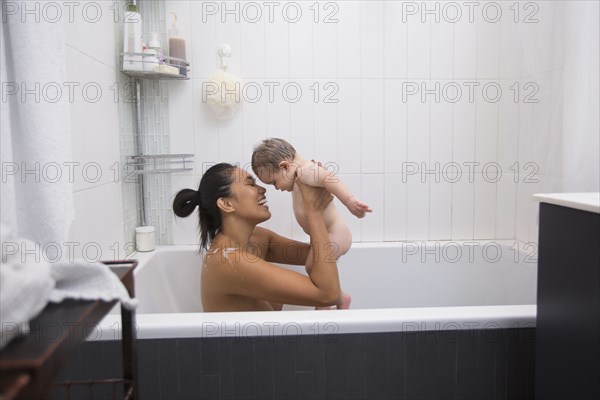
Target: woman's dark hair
pixel 215 183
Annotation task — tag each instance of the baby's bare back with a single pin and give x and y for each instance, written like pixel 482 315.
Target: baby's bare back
pixel 338 231
pixel 330 215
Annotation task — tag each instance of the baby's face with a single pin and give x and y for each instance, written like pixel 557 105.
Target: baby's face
pixel 282 178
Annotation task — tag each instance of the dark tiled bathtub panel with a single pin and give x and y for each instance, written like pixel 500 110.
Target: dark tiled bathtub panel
pixel 467 364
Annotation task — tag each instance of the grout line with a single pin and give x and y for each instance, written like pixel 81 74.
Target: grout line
pixel 96 187
pixel 452 138
pixel 429 142
pixel 383 236
pixel 498 131
pixel 406 145
pixel 475 138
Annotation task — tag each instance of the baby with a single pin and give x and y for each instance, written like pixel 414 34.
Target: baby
pixel 275 162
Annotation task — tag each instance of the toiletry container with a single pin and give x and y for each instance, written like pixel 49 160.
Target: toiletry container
pixel 144 238
pixel 132 38
pixel 177 46
pixel 154 44
pixel 150 59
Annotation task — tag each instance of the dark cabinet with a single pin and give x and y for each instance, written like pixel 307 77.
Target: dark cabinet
pixel 29 363
pixel 568 304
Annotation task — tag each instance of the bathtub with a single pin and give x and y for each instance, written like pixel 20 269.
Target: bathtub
pixel 395 287
pixel 428 320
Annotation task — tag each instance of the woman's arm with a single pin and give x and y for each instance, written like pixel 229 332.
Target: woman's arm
pixel 259 279
pixel 254 277
pixel 279 249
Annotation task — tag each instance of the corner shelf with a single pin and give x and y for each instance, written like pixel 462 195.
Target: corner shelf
pixel 140 63
pixel 160 163
pixel 143 164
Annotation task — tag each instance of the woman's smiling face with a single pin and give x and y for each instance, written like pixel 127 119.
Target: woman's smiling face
pixel 248 198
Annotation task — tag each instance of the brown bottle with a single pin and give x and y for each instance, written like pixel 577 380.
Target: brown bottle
pixel 177 47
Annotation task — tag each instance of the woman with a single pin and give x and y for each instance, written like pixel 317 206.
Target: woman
pixel 237 274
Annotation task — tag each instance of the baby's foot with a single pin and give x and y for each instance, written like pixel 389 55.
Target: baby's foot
pixel 325 308
pixel 346 300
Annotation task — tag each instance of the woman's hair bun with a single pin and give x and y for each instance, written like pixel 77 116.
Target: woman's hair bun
pixel 185 202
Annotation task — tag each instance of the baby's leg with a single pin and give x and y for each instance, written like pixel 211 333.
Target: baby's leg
pixel 340 240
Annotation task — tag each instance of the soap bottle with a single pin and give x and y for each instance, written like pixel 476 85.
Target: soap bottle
pixel 152 57
pixel 154 44
pixel 132 38
pixel 177 47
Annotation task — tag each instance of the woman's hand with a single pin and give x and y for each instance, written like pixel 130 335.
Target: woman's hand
pixel 315 198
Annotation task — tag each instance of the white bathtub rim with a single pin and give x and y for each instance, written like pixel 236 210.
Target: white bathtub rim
pixel 170 325
pixel 294 323
pixel 146 255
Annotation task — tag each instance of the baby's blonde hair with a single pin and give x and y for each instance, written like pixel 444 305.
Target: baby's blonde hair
pixel 270 152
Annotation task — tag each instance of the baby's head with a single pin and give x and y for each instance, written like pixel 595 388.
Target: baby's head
pixel 273 163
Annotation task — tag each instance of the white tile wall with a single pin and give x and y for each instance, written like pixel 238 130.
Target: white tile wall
pixel 91 64
pixel 367 52
pixel 300 40
pixel 395 49
pixel 372 126
pixel 349 123
pixel 326 130
pixel 394 208
pixel 373 194
pixel 370 53
pixel 277 49
pixel 97 229
pixel 396 122
pixel 371 39
pixel 349 39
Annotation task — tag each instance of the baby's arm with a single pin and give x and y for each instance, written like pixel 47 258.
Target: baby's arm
pixel 313 174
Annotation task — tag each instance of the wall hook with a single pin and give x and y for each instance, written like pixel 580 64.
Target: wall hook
pixel 224 53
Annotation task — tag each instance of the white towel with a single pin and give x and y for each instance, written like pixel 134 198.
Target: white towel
pixel 35 134
pixel 88 281
pixel 25 288
pixel 27 284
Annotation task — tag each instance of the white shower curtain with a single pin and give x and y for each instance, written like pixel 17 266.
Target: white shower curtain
pixel 35 132
pixel 36 209
pixel 37 192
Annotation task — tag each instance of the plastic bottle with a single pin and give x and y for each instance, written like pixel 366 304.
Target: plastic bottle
pixel 177 46
pixel 154 44
pixel 150 59
pixel 132 38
